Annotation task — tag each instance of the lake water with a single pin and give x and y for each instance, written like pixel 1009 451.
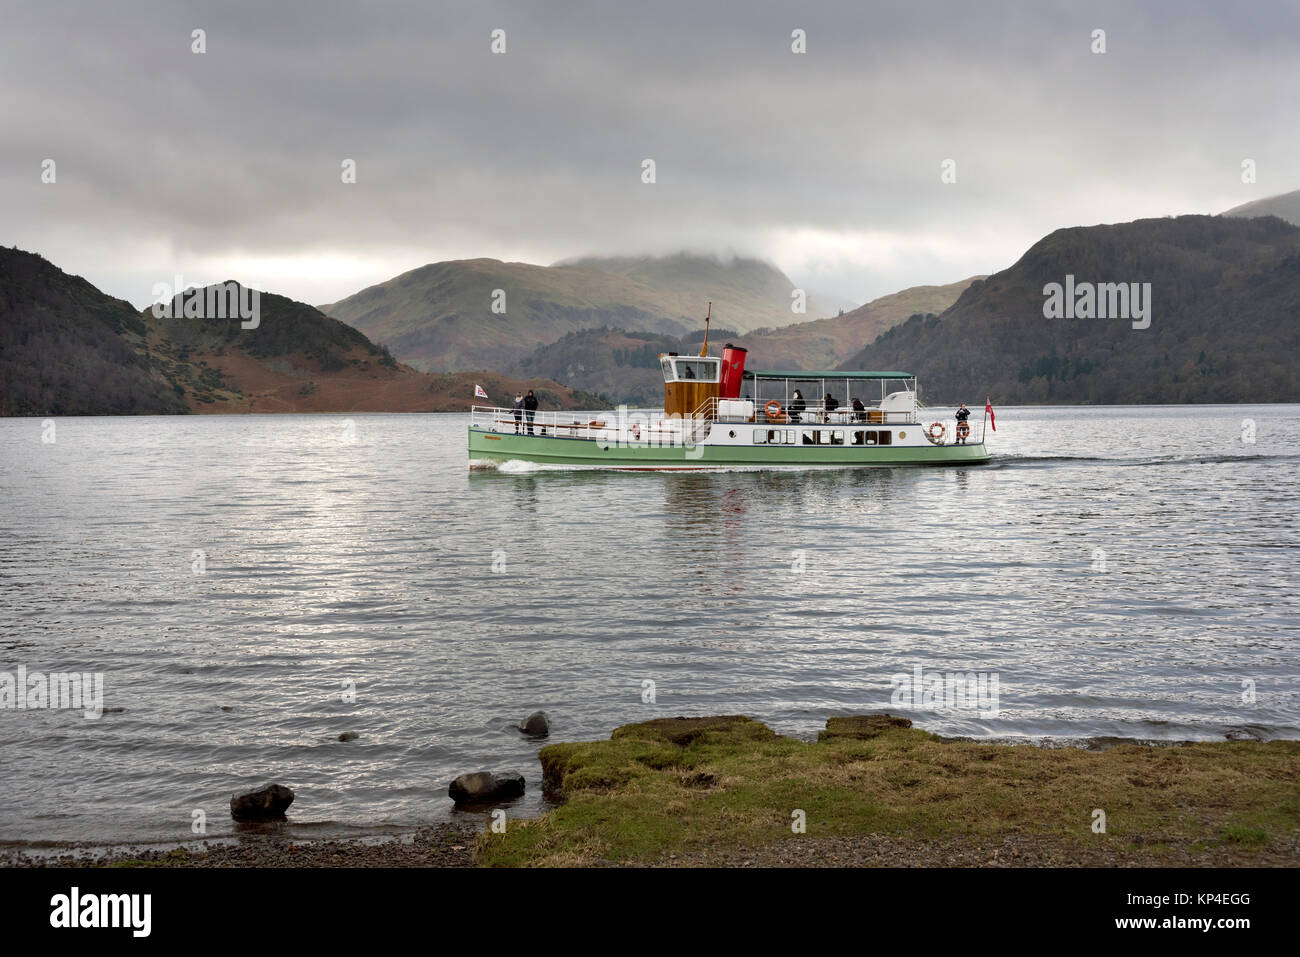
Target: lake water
pixel 1120 571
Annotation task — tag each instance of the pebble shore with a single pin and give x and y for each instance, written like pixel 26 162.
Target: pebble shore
pixel 441 845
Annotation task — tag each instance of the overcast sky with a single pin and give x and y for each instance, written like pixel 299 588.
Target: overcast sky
pixel 227 164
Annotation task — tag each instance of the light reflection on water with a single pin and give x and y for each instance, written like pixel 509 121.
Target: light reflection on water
pixel 371 561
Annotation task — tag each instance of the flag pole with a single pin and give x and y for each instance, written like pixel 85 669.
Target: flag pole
pixel 984 429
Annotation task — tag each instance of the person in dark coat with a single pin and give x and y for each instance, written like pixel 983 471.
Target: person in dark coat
pixel 530 409
pixel 963 430
pixel 859 411
pixel 518 410
pixel 830 404
pixel 797 405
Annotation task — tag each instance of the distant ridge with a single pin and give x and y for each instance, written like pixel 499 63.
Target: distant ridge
pixel 440 317
pixel 623 364
pixel 1284 206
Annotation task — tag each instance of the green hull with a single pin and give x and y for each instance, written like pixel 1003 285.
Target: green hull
pixel 489 448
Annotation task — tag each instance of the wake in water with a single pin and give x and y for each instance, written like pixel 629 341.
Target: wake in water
pixel 1022 461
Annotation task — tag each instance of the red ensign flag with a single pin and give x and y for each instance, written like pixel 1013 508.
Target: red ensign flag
pixel 478 392
pixel 988 408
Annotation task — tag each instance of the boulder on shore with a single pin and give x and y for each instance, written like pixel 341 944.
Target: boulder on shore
pixel 481 786
pixel 536 725
pixel 268 804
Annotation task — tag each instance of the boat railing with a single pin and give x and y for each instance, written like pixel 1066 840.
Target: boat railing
pixel 948 431
pixel 610 424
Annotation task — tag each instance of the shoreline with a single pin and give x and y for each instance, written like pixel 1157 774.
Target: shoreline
pixel 442 845
pixel 719 792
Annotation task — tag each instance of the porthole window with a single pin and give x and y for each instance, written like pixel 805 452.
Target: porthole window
pixel 731 434
pixel 902 435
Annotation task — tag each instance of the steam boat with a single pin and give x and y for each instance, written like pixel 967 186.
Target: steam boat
pixel 718 415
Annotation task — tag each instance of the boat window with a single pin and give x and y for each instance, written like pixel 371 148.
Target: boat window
pixel 760 437
pixel 704 370
pixel 837 437
pixel 809 437
pixel 774 435
pixel 857 438
pixel 885 436
pixel 823 436
pixel 668 369
pixel 869 438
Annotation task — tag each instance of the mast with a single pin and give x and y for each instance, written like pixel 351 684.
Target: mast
pixel 704 351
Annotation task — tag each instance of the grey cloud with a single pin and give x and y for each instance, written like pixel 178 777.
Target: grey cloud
pixel 168 160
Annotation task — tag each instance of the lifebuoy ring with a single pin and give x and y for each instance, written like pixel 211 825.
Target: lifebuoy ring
pixel 772 410
pixel 963 430
pixel 942 430
pixel 636 431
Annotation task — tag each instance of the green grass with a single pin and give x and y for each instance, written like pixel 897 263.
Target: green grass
pixel 677 785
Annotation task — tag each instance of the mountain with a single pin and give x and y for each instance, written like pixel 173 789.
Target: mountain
pixel 825 343
pixel 298 359
pixel 1284 206
pixel 624 365
pixel 68 349
pixel 1224 294
pixel 440 317
pixel 747 294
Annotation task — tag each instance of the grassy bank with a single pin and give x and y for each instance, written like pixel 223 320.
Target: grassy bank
pixel 875 790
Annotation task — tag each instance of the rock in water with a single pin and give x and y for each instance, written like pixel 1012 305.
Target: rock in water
pixel 481 786
pixel 536 725
pixel 268 804
pixel 349 736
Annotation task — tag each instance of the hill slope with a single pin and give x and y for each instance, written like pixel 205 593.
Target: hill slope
pixel 624 365
pixel 299 360
pixel 440 318
pixel 1284 206
pixel 68 349
pixel 825 343
pixel 1225 294
pixel 747 294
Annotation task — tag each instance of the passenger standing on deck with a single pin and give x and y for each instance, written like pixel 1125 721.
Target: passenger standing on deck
pixel 830 404
pixel 963 429
pixel 797 405
pixel 859 410
pixel 530 409
pixel 518 410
